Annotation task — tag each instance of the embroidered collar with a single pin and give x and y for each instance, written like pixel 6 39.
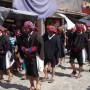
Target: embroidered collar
pixel 50 37
pixel 29 35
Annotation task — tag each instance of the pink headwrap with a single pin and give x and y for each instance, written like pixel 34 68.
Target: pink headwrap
pixel 73 29
pixel 81 27
pixel 52 28
pixel 28 25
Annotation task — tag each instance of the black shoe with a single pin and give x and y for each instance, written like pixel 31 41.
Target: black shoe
pixel 44 79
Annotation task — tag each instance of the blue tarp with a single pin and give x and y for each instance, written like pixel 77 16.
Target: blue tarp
pixel 43 8
pixel 86 20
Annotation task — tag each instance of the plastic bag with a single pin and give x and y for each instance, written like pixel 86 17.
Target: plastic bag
pixel 9 62
pixel 40 64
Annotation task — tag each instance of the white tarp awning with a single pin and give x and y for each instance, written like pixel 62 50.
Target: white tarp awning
pixel 69 24
pixel 24 12
pixel 4 12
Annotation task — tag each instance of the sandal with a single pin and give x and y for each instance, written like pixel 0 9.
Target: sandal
pixel 9 79
pixel 73 74
pixel 23 78
pixel 44 79
pixel 38 87
pixel 32 88
pixel 50 80
pixel 78 76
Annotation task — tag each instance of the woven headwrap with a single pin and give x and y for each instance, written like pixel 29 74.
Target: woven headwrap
pixel 28 25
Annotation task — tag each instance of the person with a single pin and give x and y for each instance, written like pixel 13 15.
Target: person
pixel 19 56
pixel 31 47
pixel 4 47
pixel 62 46
pixel 70 34
pixel 87 35
pixel 77 45
pixel 51 51
pixel 9 63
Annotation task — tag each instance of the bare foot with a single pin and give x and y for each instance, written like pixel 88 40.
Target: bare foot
pixel 38 87
pixel 32 88
pixel 78 76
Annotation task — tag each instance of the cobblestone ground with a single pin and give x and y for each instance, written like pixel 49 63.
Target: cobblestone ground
pixel 63 81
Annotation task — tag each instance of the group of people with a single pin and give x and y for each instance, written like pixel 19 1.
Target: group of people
pixel 27 43
pixel 78 44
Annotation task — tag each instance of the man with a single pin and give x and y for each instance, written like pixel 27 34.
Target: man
pixel 76 47
pixel 87 36
pixel 31 46
pixel 61 35
pixel 51 50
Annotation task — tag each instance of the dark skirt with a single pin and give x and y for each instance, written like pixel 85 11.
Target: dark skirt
pixel 76 55
pixel 31 67
pixel 61 52
pixel 88 51
pixel 52 61
pixel 2 62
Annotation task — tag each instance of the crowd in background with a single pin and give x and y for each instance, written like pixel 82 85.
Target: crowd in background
pixel 24 45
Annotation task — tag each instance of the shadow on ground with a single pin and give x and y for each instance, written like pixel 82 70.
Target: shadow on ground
pixel 62 74
pixel 88 88
pixel 63 67
pixel 15 86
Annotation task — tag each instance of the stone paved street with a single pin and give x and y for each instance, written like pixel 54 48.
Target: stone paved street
pixel 63 81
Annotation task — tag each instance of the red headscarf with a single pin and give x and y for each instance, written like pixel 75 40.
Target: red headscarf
pixel 52 28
